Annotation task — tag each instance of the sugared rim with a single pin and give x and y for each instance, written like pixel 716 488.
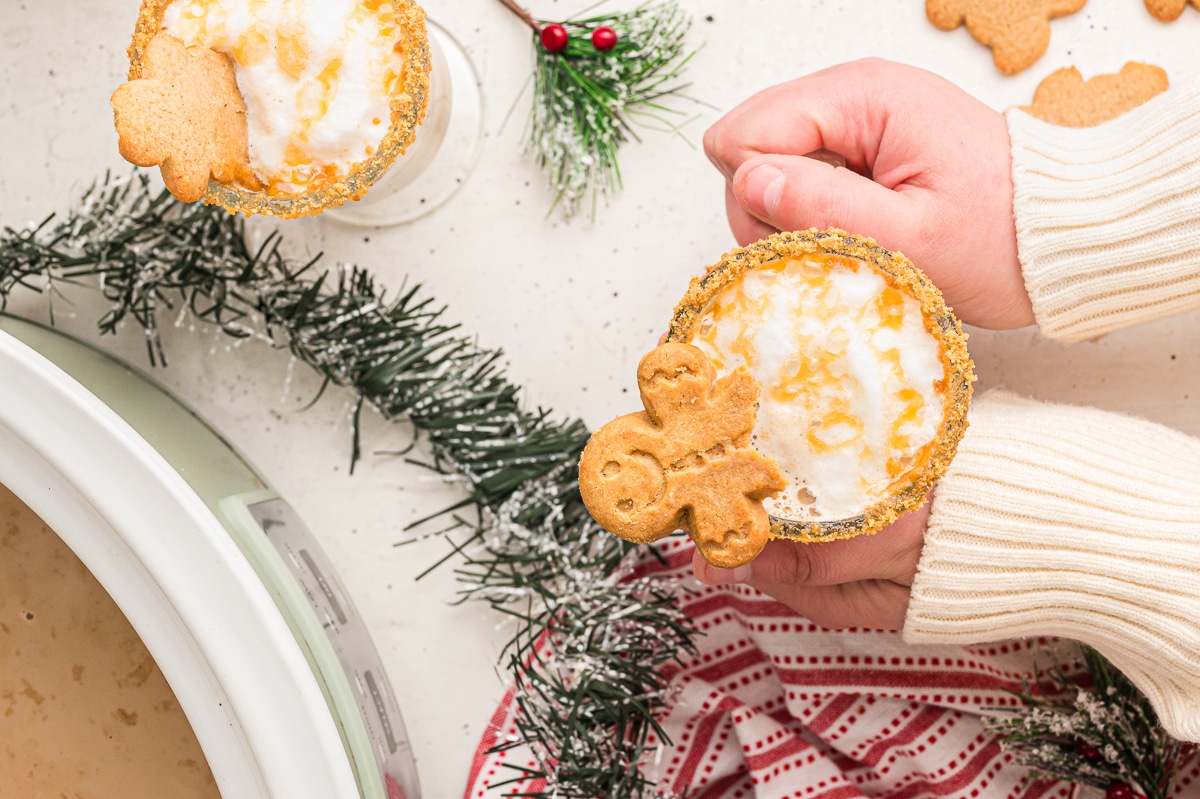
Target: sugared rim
pixel 941 322
pixel 407 107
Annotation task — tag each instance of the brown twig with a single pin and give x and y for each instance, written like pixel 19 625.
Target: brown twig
pixel 525 16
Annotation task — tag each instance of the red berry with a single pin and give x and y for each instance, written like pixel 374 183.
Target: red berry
pixel 554 37
pixel 604 39
pixel 1119 790
pixel 1087 752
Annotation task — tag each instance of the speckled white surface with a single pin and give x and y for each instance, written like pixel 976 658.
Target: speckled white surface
pixel 573 305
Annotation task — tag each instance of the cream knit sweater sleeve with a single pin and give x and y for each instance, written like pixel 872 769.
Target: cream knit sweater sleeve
pixel 1074 522
pixel 1108 218
pixel 1067 521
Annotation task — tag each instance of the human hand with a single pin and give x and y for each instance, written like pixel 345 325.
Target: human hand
pixel 927 171
pixel 856 582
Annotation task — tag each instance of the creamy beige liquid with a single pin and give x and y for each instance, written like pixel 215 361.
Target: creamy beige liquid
pixel 85 712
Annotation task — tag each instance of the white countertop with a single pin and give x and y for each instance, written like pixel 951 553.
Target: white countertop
pixel 573 305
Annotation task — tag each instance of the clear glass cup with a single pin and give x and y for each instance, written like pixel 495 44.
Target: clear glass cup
pixel 446 149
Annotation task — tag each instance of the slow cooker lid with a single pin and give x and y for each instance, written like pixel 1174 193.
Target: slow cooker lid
pixel 189 592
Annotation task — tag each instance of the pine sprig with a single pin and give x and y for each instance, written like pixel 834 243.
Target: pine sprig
pixel 587 103
pixel 1098 735
pixel 595 664
pixel 588 646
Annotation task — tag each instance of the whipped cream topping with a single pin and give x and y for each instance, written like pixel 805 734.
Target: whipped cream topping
pixel 851 379
pixel 316 76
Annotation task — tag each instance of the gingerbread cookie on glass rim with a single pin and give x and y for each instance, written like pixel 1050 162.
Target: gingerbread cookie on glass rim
pixel 863 381
pixel 333 93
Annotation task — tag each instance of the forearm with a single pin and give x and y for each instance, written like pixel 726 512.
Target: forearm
pixel 1056 520
pixel 1108 218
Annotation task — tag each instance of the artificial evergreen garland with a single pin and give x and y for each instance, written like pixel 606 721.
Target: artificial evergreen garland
pixel 1096 729
pixel 587 653
pixel 597 79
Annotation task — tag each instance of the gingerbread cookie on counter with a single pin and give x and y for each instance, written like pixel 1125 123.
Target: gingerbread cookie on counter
pixel 1018 31
pixel 1168 10
pixel 1065 98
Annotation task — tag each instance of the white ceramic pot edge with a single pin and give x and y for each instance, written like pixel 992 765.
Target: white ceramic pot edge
pixel 188 591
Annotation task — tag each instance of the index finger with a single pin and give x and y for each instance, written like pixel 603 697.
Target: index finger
pixel 834 110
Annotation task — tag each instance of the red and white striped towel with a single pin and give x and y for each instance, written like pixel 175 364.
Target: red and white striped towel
pixel 776 707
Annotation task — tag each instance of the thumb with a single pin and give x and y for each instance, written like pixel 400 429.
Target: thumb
pixel 790 192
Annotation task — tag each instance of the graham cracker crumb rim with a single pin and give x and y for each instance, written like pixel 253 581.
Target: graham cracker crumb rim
pixel 899 272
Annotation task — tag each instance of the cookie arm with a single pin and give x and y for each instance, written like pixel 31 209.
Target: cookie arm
pixel 1106 217
pixel 623 482
pixel 1074 522
pixel 129 119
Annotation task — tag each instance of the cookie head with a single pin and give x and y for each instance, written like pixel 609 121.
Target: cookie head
pixel 624 483
pixel 864 374
pixel 672 377
pixel 186 116
pixel 685 462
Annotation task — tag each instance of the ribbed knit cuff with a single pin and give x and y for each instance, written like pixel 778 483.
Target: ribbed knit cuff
pixel 1108 217
pixel 1071 522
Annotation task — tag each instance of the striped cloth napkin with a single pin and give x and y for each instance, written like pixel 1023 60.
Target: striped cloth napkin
pixel 775 707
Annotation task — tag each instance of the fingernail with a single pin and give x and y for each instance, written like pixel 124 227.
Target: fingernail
pixel 717 576
pixel 739 574
pixel 762 189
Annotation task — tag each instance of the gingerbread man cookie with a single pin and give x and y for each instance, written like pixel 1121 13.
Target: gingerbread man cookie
pixel 685 462
pixel 1064 98
pixel 1018 31
pixel 185 114
pixel 1168 10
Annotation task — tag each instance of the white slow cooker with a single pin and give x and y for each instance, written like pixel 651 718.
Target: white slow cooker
pixel 230 593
